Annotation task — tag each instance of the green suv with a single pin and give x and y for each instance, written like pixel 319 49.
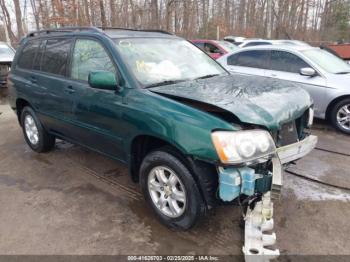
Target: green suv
pixel 192 135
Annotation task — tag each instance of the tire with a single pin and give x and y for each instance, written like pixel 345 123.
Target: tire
pixel 183 214
pixel 342 110
pixel 38 139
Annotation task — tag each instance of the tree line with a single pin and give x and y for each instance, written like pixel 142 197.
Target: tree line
pixel 308 20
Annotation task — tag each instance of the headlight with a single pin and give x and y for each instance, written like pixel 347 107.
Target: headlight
pixel 234 147
pixel 311 117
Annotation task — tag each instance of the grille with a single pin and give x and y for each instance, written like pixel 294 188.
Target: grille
pixel 293 131
pixel 288 134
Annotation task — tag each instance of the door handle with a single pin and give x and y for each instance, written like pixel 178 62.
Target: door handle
pixel 33 80
pixel 69 90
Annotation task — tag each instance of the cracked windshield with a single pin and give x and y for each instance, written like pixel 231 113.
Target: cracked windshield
pixel 161 61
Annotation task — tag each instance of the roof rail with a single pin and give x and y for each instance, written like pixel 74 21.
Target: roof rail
pixel 136 30
pixel 63 30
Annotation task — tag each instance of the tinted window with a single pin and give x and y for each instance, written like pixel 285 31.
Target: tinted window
pixel 38 56
pixel 200 45
pixel 256 59
pixel 27 55
pixel 56 56
pixel 89 56
pixel 286 62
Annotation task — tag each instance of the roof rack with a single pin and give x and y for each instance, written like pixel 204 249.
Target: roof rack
pixel 63 30
pixel 89 28
pixel 136 30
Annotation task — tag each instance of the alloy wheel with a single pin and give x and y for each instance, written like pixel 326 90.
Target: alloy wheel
pixel 343 117
pixel 167 191
pixel 31 130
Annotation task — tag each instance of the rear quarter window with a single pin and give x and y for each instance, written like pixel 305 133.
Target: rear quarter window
pixel 27 55
pixel 55 58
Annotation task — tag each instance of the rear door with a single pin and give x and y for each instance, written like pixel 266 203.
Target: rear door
pixel 97 113
pixel 51 77
pixel 286 66
pixel 252 62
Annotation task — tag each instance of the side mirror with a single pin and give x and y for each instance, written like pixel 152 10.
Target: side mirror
pixel 103 80
pixel 308 71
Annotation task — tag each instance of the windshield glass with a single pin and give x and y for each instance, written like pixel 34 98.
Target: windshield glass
pixel 327 61
pixel 6 50
pixel 157 60
pixel 228 46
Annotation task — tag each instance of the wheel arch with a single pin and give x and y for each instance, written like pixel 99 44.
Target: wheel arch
pixel 204 174
pixel 333 103
pixel 20 104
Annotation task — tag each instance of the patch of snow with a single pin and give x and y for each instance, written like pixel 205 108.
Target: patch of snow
pixel 308 190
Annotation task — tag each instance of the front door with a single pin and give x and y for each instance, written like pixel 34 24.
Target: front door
pixel 97 113
pixel 286 66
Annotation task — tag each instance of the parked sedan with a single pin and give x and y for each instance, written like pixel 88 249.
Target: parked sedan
pixel 6 57
pixel 327 76
pixel 258 42
pixel 213 48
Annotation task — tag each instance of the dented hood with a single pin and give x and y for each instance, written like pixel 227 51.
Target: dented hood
pixel 255 100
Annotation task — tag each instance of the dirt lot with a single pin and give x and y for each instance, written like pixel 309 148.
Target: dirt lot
pixel 74 201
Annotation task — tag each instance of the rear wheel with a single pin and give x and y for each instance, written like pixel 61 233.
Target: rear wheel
pixel 170 190
pixel 340 116
pixel 34 133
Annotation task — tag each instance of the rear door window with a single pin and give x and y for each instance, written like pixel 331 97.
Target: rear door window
pixel 286 62
pixel 88 56
pixel 210 48
pixel 25 60
pixel 200 45
pixel 38 56
pixel 55 58
pixel 255 59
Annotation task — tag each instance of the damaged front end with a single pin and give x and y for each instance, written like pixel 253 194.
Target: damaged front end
pixel 251 169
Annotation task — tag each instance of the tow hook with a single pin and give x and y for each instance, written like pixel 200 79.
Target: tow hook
pixel 257 233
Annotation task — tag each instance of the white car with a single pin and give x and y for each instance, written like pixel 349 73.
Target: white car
pixel 6 56
pixel 258 42
pixel 326 76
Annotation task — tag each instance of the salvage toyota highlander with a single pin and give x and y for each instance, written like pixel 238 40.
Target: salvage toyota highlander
pixel 192 135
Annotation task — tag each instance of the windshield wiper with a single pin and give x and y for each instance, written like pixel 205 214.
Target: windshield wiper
pixel 163 83
pixel 207 76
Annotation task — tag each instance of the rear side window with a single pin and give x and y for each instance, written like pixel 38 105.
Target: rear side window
pixel 210 48
pixel 25 60
pixel 55 58
pixel 38 56
pixel 200 45
pixel 256 59
pixel 88 56
pixel 286 62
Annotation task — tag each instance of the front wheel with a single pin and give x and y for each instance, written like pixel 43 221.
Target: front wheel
pixel 340 116
pixel 170 190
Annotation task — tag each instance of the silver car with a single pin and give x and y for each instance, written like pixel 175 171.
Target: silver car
pixel 327 77
pixel 6 56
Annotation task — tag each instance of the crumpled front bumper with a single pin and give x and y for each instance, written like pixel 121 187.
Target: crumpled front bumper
pixel 258 220
pixel 297 150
